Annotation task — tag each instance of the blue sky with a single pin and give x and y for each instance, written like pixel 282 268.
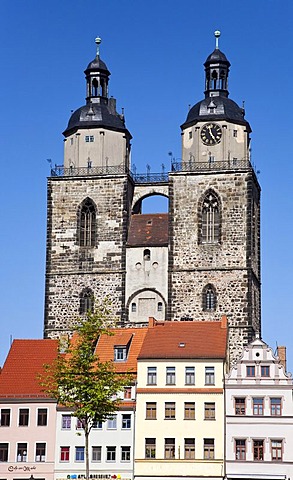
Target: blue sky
pixel 155 51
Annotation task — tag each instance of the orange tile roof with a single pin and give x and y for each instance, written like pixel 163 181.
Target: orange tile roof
pixel 148 229
pixel 24 362
pixel 106 344
pixel 185 340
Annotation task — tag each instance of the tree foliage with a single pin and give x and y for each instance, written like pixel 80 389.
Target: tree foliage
pixel 79 381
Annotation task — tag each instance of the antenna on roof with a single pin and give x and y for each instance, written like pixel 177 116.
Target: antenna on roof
pixel 217 35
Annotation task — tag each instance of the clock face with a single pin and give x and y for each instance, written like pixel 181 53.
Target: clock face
pixel 211 134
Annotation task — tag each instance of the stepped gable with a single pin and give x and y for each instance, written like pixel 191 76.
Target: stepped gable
pixel 131 338
pixel 185 340
pixel 149 229
pixel 25 360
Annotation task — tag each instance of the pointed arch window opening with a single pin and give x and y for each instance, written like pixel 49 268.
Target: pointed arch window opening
pixel 210 220
pixel 86 301
pixel 209 298
pixel 87 227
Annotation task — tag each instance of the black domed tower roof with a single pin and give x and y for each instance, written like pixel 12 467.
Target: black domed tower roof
pixel 99 110
pixel 216 105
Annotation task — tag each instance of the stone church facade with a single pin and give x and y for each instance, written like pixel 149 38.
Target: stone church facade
pixel 199 261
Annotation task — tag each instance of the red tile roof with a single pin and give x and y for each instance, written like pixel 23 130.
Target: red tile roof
pixel 131 337
pixel 24 362
pixel 185 340
pixel 149 229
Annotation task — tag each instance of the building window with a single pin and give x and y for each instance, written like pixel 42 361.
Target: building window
pixel 5 417
pixel 87 224
pixel 111 454
pixel 189 448
pixel 276 406
pixel 277 450
pixel 125 454
pixel 189 376
pixel 79 425
pixel 86 301
pixel 66 422
pixel 126 421
pixel 170 410
pixel 210 219
pixel 189 411
pixel 3 452
pixel 209 411
pixel 240 449
pixel 64 454
pixel 170 375
pixel 250 371
pixel 258 449
pixel 190 135
pixel 208 448
pixel 40 452
pixel 160 306
pixel 97 424
pixel 209 375
pixel 169 448
pixel 42 417
pixel 258 405
pixel 79 454
pixel 151 410
pixel 209 298
pixel 150 448
pixel 23 417
pixel 147 254
pixel 96 454
pixel 240 406
pixel 234 133
pixel 21 452
pixel 127 393
pixel 265 371
pixel 89 138
pixel 120 353
pixel 112 423
pixel 133 307
pixel 152 376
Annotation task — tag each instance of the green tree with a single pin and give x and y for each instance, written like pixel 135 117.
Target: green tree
pixel 78 380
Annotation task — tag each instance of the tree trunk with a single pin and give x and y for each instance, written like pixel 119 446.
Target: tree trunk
pixel 87 463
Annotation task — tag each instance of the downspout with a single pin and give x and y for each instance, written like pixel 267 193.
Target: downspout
pixel 134 428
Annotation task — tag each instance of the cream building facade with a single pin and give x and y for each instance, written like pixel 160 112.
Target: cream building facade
pixel 179 427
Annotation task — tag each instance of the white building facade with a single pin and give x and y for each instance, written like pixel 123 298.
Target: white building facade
pixel 259 416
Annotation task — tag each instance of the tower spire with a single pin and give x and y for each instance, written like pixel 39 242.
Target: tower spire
pixel 98 42
pixel 217 71
pixel 217 36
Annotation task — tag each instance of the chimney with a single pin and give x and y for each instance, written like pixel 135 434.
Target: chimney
pixel 281 352
pixel 152 322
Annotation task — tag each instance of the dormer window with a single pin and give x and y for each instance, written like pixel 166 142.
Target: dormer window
pixel 120 353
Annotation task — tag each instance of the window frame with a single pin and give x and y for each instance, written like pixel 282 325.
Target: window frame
pixel 210 219
pixel 210 411
pixel 41 447
pixel 21 452
pixel 209 448
pixel 5 417
pixel 189 410
pixel 151 411
pixel 64 454
pixel 96 449
pixel 189 448
pixel 79 455
pixel 240 405
pixel 169 448
pixel 42 417
pixel 151 375
pixel 66 421
pixel 189 375
pixel 23 417
pixel 111 453
pixel 170 375
pixel 170 410
pixel 150 448
pixel 240 449
pixel 126 422
pixel 259 449
pixel 120 353
pixel 4 452
pixel 265 371
pixel 250 371
pixel 276 408
pixel 209 375
pixel 258 406
pixel 275 449
pixel 125 453
pixel 112 422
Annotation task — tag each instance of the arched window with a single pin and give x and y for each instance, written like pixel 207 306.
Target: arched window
pixel 146 254
pixel 86 301
pixel 160 306
pixel 210 219
pixel 209 298
pixel 133 307
pixel 87 224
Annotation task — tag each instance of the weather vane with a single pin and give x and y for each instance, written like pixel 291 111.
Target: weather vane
pixel 217 35
pixel 98 42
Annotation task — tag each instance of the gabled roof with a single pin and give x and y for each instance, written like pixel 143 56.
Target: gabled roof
pixel 25 360
pixel 132 338
pixel 149 229
pixel 185 340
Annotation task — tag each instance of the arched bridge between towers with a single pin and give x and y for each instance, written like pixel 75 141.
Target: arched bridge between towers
pixel 143 191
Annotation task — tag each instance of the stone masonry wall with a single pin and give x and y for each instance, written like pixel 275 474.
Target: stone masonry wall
pixel 70 268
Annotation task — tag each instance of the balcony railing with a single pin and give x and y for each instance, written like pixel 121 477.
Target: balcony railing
pixel 163 177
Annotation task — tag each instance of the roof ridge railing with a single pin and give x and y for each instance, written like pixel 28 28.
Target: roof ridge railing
pixel 162 177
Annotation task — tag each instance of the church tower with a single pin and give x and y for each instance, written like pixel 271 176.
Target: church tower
pixel 199 261
pixel 88 209
pixel 214 262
